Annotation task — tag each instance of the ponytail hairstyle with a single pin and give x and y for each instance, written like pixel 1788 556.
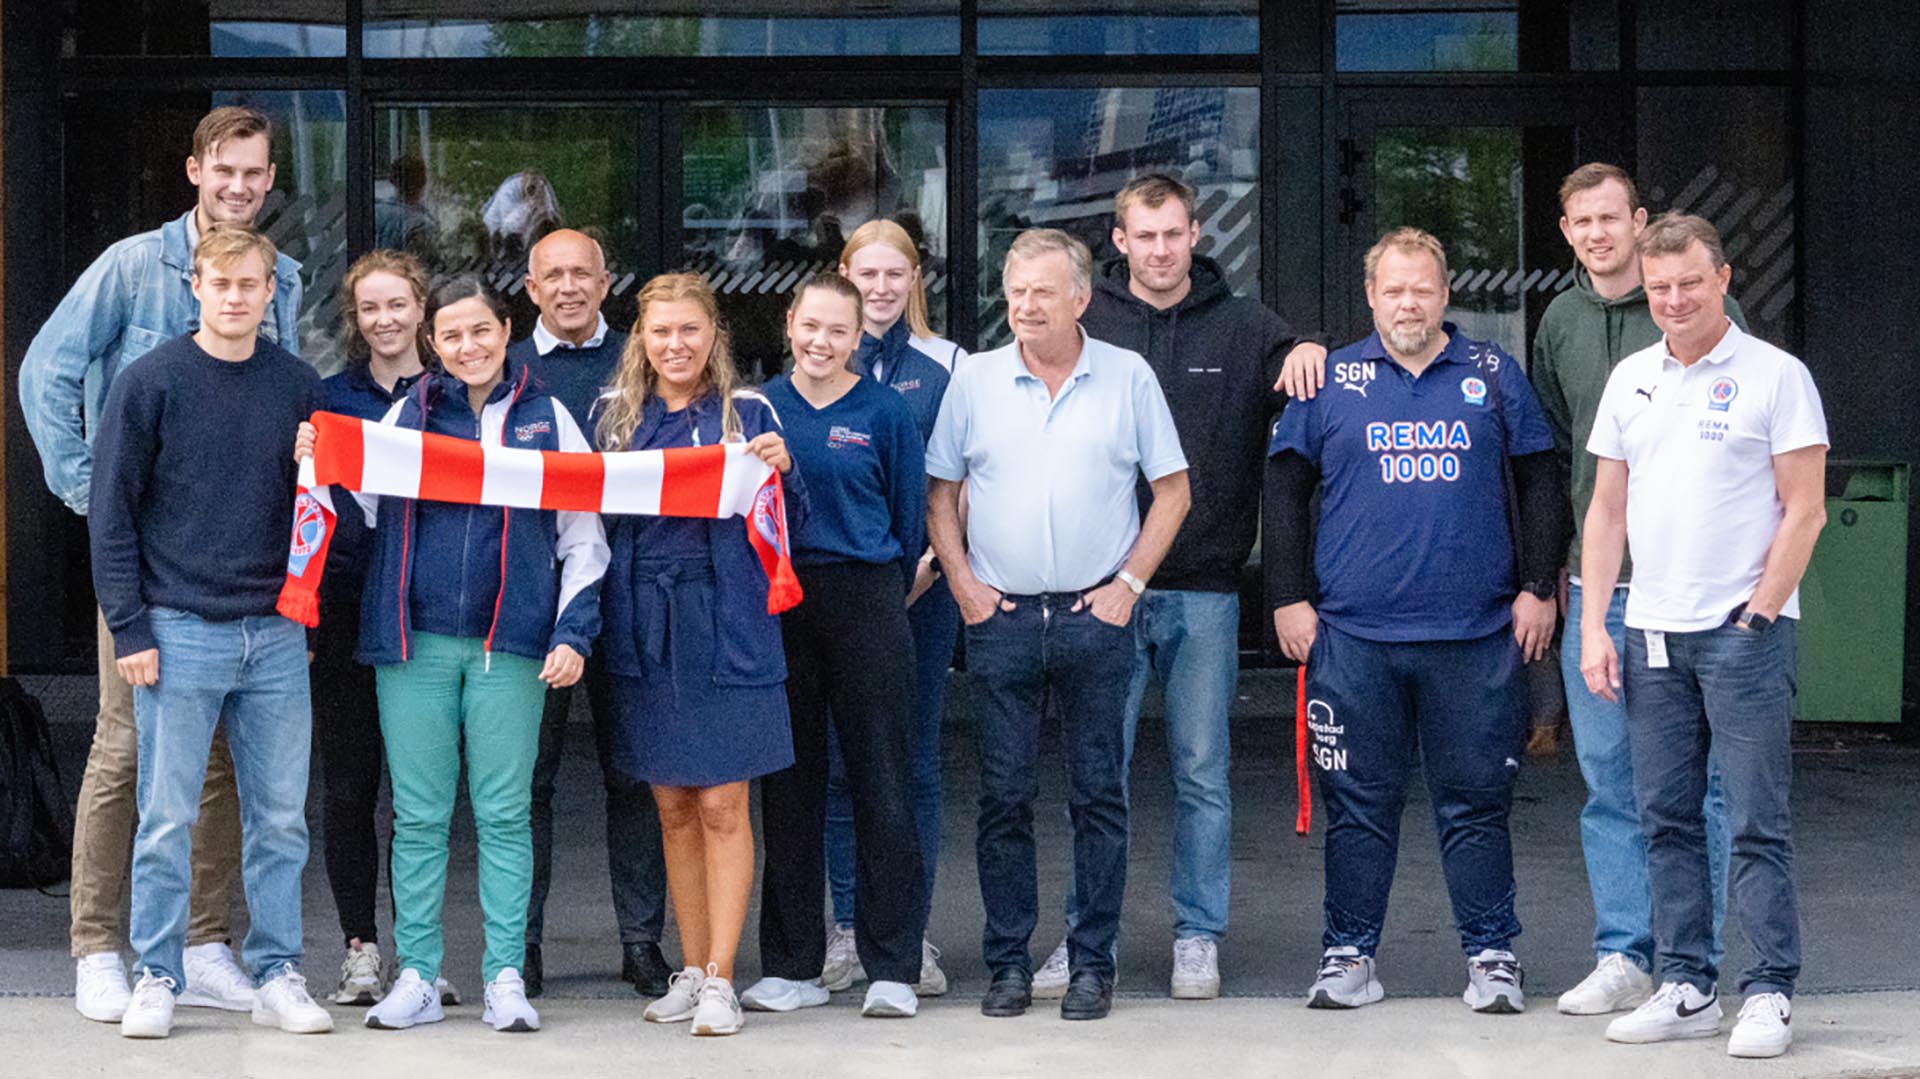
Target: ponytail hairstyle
pixel 636 380
pixel 831 282
pixel 402 265
pixel 882 231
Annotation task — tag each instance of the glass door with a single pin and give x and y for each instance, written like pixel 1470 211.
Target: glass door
pixel 1479 170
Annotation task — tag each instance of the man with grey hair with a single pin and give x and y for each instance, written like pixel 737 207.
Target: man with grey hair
pixel 574 353
pixel 1050 435
pixel 1713 451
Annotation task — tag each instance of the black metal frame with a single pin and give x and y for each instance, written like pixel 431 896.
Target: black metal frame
pixel 1302 100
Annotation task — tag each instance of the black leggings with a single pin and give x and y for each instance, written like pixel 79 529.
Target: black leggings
pixel 346 725
pixel 849 662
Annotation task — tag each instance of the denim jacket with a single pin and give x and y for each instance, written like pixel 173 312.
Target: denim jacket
pixel 137 294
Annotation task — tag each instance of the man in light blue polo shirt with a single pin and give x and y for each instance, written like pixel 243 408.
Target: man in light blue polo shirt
pixel 1050 434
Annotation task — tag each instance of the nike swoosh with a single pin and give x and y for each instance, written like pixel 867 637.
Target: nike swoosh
pixel 1688 1013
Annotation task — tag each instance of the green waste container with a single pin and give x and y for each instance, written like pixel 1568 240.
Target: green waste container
pixel 1854 597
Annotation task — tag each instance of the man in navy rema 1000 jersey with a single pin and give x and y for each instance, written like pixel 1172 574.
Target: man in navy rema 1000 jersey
pixel 1436 575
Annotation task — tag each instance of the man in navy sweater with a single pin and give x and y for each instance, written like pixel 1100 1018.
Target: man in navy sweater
pixel 575 355
pixel 191 489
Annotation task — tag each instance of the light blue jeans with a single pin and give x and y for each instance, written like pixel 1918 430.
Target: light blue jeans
pixel 1190 641
pixel 1610 833
pixel 249 677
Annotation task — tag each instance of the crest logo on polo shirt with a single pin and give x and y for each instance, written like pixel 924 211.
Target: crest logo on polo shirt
pixel 1474 389
pixel 1721 393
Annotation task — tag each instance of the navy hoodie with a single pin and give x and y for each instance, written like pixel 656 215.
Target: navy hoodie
pixel 440 567
pixel 917 377
pixel 1217 357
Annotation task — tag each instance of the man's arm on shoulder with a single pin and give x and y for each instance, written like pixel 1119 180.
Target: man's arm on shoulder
pixel 1295 363
pixel 87 323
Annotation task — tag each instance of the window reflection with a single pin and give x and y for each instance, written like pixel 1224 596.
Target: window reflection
pixel 1420 35
pixel 1118 27
pixel 1056 158
pixel 769 195
pixel 475 28
pixel 473 188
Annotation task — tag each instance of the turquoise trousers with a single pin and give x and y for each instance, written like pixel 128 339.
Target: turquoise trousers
pixel 449 694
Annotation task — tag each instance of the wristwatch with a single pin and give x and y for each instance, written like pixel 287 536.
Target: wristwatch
pixel 1757 623
pixel 1134 583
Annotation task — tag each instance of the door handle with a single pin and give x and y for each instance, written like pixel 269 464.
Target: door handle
pixel 1350 206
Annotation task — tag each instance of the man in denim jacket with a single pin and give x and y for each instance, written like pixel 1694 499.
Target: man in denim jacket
pixel 135 296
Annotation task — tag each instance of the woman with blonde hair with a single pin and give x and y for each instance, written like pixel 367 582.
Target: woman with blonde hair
pixel 898 349
pixel 698 669
pixel 383 322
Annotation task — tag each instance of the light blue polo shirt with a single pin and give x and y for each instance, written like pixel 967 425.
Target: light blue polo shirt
pixel 1050 483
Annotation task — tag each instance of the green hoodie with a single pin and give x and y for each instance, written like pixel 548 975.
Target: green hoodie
pixel 1582 338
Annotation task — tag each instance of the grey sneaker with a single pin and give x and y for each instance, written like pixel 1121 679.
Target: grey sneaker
pixel 1494 979
pixel 1196 969
pixel 1050 981
pixel 843 967
pixel 933 980
pixel 1346 980
pixel 363 977
pixel 683 997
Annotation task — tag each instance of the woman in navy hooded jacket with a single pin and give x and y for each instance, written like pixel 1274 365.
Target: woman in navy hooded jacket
pixel 698 673
pixel 466 622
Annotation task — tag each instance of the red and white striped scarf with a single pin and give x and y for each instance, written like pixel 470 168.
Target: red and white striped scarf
pixel 378 459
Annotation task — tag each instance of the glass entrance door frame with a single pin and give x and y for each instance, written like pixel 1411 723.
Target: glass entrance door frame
pixel 1561 126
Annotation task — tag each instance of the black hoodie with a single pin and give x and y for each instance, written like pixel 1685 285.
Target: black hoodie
pixel 1217 357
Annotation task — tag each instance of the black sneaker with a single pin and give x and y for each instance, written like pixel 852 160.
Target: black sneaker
pixel 643 967
pixel 1010 994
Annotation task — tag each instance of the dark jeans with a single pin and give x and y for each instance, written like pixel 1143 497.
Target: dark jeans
pixel 935 619
pixel 346 727
pixel 1728 691
pixel 634 861
pixel 1044 656
pixel 1457 709
pixel 849 662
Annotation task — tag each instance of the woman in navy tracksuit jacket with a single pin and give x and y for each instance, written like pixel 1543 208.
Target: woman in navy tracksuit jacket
pixel 466 621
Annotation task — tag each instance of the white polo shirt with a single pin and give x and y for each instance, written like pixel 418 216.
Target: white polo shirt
pixel 1699 443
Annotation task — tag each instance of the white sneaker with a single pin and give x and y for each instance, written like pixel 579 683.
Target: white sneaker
pixel 933 980
pixel 1346 979
pixel 1616 984
pixel 282 1001
pixel 1765 1028
pixel 784 995
pixel 408 1003
pixel 363 977
pixel 214 980
pixel 100 989
pixel 843 967
pixel 718 1012
pixel 890 1000
pixel 1050 981
pixel 149 1011
pixel 1678 1010
pixel 1196 969
pixel 682 999
pixel 508 1009
pixel 1495 983
pixel 449 996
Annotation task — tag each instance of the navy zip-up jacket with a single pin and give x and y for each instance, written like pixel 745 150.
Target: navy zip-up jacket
pixel 439 567
pixel 917 377
pixel 747 647
pixel 353 392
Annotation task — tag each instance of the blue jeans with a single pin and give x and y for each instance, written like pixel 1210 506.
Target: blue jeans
pixel 1459 710
pixel 935 620
pixel 1610 836
pixel 1043 656
pixel 1191 642
pixel 248 677
pixel 1727 692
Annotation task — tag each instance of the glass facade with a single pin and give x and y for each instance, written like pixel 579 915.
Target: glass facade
pixel 747 138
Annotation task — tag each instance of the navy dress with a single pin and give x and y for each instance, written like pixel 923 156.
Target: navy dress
pixel 678 724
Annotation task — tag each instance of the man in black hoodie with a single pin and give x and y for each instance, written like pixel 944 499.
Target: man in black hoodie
pixel 1219 359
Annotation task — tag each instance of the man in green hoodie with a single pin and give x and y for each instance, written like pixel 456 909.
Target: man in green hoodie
pixel 1584 334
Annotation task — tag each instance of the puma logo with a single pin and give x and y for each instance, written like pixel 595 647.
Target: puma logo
pixel 1648 394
